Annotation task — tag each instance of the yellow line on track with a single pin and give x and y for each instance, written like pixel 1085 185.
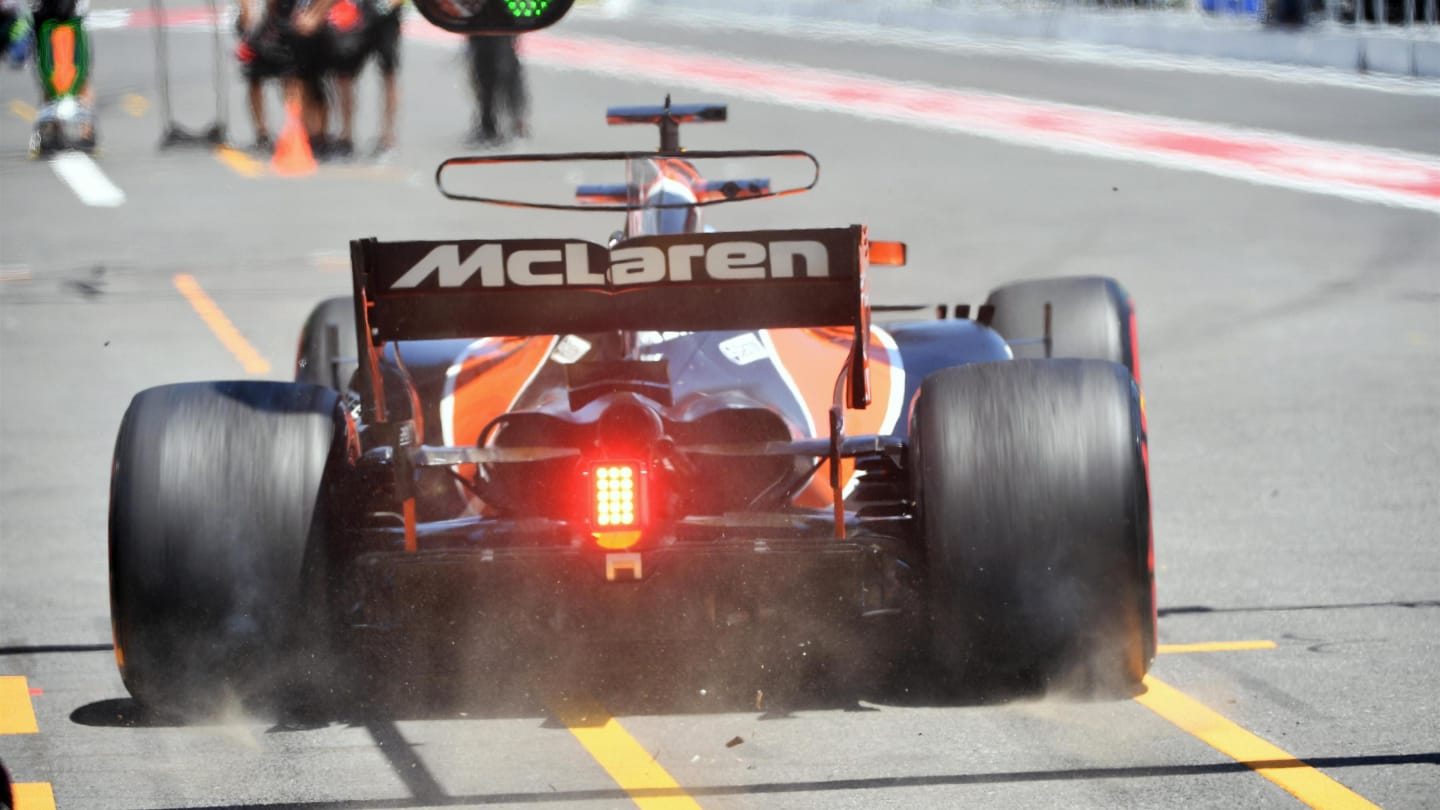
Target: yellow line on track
pixel 229 336
pixel 22 110
pixel 622 756
pixel 1297 778
pixel 33 796
pixel 239 162
pixel 1215 646
pixel 17 714
pixel 134 104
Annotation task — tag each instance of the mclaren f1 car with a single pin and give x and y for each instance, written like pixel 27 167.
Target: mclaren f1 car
pixel 678 435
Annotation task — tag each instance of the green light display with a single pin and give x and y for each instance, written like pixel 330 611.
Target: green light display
pixel 526 8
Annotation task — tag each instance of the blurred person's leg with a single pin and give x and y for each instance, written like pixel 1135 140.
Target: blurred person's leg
pixel 386 46
pixel 256 92
pixel 263 58
pixel 64 59
pixel 348 47
pixel 387 139
pixel 317 111
pixel 344 144
pixel 309 49
pixel 517 98
pixel 483 53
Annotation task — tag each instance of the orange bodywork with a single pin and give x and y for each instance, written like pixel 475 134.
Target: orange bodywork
pixel 813 357
pixel 494 372
pixel 491 377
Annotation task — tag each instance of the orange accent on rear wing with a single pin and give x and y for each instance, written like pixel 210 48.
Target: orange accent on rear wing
pixel 890 254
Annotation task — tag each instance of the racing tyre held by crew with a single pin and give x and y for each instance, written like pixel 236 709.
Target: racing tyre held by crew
pixel 1034 505
pixel 222 495
pixel 1091 318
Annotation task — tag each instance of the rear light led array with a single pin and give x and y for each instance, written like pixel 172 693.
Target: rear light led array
pixel 616 496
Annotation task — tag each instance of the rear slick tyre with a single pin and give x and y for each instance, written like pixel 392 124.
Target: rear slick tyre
pixel 220 505
pixel 1091 318
pixel 328 354
pixel 1033 500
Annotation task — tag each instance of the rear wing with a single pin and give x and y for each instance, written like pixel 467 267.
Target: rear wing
pixel 678 113
pixel 521 287
pixel 668 117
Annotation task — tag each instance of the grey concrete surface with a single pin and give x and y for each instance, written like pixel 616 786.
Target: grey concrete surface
pixel 1296 104
pixel 1291 362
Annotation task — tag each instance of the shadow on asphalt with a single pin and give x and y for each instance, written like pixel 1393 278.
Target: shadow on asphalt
pixel 437 798
pixel 1188 610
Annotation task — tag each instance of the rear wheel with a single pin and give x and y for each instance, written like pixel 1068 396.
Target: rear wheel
pixel 1091 318
pixel 328 354
pixel 7 797
pixel 1035 511
pixel 221 501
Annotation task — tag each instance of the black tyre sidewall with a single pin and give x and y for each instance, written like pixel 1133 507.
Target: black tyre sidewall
pixel 221 498
pixel 1034 508
pixel 1092 318
pixel 318 361
pixel 7 796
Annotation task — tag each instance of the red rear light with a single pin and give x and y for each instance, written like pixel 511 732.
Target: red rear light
pixel 617 496
pixel 617 501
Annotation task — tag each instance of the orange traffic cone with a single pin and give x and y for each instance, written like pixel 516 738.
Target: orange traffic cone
pixel 293 157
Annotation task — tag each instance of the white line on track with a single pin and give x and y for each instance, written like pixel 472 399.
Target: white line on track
pixel 86 180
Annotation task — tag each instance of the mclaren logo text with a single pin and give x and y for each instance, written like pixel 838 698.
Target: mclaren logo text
pixel 570 264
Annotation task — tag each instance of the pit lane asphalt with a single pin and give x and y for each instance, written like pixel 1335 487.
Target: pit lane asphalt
pixel 1291 360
